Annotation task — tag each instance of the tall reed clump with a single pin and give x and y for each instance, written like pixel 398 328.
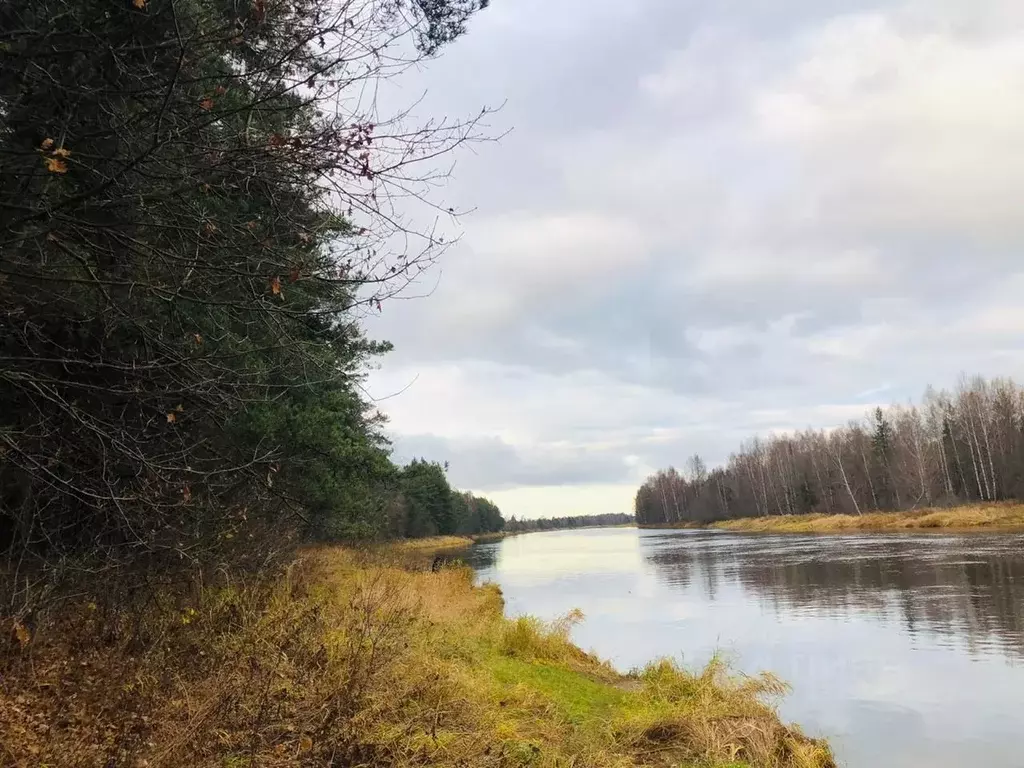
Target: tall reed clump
pixel 357 658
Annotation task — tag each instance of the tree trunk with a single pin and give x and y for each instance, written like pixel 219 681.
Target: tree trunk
pixel 867 471
pixel 846 482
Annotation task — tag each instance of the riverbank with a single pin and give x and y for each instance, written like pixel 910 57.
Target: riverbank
pixel 356 657
pixel 975 517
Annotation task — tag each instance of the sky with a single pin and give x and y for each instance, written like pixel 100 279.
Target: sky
pixel 706 221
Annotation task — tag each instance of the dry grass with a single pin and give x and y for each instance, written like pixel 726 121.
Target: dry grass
pixel 433 543
pixel 350 658
pixel 1005 516
pixel 483 538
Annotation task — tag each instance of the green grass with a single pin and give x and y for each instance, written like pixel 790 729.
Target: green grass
pixel 581 700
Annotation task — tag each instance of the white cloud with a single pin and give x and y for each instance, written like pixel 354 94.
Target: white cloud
pixel 896 129
pixel 544 252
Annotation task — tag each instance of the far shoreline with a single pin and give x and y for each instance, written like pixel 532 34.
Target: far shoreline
pixel 1004 517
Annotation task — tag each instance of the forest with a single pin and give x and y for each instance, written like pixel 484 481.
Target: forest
pixel 955 447
pixel 196 217
pixel 514 525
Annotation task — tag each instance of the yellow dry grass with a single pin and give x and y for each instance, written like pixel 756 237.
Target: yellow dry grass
pixel 353 658
pixel 433 543
pixel 1004 516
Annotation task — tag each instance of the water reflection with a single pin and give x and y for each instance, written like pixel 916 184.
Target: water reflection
pixel 968 589
pixel 479 557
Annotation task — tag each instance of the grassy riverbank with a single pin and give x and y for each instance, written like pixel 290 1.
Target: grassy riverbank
pixel 973 517
pixel 363 658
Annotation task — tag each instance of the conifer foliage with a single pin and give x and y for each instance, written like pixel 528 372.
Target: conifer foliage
pixel 198 201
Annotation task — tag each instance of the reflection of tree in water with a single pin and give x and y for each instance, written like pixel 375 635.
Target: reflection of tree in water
pixel 479 556
pixel 971 588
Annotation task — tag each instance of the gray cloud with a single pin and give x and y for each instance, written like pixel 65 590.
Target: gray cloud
pixel 490 464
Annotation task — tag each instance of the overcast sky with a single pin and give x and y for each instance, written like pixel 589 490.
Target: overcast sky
pixel 710 220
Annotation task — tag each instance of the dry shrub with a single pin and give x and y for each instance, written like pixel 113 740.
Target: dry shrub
pixel 330 661
pixel 203 675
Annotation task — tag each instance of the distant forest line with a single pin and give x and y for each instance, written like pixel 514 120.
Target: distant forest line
pixel 514 525
pixel 956 447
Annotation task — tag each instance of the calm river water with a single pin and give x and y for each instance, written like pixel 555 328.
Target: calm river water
pixel 905 650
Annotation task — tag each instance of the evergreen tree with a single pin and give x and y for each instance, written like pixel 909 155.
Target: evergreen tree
pixel 193 214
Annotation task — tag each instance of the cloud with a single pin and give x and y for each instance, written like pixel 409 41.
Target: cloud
pixel 492 464
pixel 710 221
pixel 903 130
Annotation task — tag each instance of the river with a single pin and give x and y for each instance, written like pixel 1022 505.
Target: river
pixel 904 650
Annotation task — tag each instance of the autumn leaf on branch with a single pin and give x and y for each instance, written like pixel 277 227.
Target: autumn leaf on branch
pixel 171 417
pixel 275 285
pixel 55 165
pixel 55 161
pixel 140 4
pixel 206 103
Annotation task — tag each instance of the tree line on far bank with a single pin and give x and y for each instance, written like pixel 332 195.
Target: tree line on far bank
pixel 955 447
pixel 514 525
